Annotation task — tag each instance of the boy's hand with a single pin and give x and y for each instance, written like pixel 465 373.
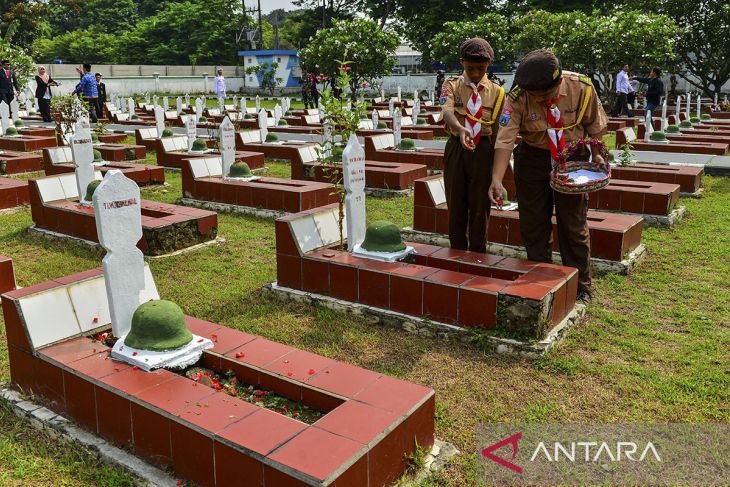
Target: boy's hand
pixel 466 139
pixel 496 190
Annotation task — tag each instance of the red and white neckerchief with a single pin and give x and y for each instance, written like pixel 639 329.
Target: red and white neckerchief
pixel 474 107
pixel 555 123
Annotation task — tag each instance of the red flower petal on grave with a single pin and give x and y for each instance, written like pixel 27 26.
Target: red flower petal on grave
pixel 179 482
pixel 207 374
pixel 311 371
pixel 234 392
pixel 96 319
pixel 136 367
pixel 259 393
pixel 93 351
pixel 257 399
pixel 201 340
pixel 289 374
pixel 214 337
pixel 240 355
pixel 195 384
pixel 134 354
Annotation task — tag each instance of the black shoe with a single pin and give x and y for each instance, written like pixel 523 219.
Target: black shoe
pixel 585 297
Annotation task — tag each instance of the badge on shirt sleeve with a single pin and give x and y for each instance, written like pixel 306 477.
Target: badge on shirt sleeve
pixel 506 116
pixel 444 95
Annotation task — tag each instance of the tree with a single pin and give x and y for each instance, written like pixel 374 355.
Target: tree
pixel 702 42
pixel 266 74
pixel 445 45
pixel 368 49
pixel 20 60
pixel 78 46
pixel 302 25
pixel 27 18
pixel 599 44
pixel 188 32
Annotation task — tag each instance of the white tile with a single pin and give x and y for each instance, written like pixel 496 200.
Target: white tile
pixel 326 223
pixel 168 144
pixel 214 165
pixel 146 134
pixel 49 317
pixel 306 234
pixel 50 189
pixel 630 134
pixel 436 188
pixel 198 167
pixel 68 183
pixel 59 155
pixel 406 122
pixel 90 301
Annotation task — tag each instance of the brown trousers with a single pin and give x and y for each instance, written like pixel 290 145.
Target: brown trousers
pixel 536 201
pixel 467 176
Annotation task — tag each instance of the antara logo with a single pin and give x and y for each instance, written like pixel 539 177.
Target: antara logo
pixel 578 451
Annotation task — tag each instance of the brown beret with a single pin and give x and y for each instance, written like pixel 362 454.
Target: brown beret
pixel 539 70
pixel 477 50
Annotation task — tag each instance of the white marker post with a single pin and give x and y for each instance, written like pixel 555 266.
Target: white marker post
pixel 4 117
pixel 82 151
pixel 159 121
pixel 277 114
pixel 258 103
pixel 353 171
pixel 665 122
pixel 375 118
pixel 648 128
pixel 14 110
pixel 178 106
pixel 263 125
pixel 165 103
pixel 191 129
pixel 118 213
pixel 130 107
pixel 243 105
pixel 228 145
pixel 396 128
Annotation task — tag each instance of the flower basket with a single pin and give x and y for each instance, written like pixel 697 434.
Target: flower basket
pixel 580 176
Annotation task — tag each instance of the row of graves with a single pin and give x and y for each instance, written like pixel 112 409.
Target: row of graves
pixel 134 369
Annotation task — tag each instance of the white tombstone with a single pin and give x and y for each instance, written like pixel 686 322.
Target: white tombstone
pixel 228 145
pixel 678 109
pixel 382 94
pixel 263 122
pixel 399 90
pixel 178 106
pixel 353 179
pixel 416 110
pixel 147 98
pixel 235 101
pixel 120 105
pixel 391 107
pixel 699 106
pixel 430 96
pixel 4 117
pixel 159 120
pixel 14 109
pixel 258 103
pixel 118 213
pixel 221 104
pixel 648 127
pixel 130 107
pixel 715 100
pixel 154 100
pixel 165 103
pixel 328 140
pixel 243 104
pixel 277 114
pixel 191 129
pixel 665 122
pixel 82 151
pixel 415 96
pixel 689 100
pixel 375 118
pixel 187 100
pixel 198 108
pixel 396 128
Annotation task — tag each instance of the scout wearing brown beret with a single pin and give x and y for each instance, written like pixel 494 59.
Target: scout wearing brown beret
pixel 470 104
pixel 540 84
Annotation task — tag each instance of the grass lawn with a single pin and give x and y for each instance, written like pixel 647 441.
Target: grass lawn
pixel 654 347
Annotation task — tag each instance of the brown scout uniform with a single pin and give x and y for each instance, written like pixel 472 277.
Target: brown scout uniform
pixel 468 174
pixel 524 116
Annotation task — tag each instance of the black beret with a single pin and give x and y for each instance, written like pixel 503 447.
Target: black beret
pixel 539 70
pixel 477 50
pixel 4 61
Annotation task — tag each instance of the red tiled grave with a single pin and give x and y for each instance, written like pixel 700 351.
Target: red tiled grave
pixel 173 421
pixel 172 152
pixel 712 148
pixel 19 162
pixel 13 192
pixel 201 179
pixel 121 152
pixel 687 177
pixel 26 143
pixel 166 228
pixel 142 174
pixel 380 148
pixel 612 235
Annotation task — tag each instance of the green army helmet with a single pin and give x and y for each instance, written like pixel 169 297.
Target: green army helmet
pixel 97 156
pixel 199 144
pixel 383 236
pixel 90 189
pixel 158 326
pixel 240 170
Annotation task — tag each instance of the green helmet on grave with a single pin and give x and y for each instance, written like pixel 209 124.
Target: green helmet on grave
pixel 134 117
pixel 94 137
pixel 694 119
pixel 90 189
pixel 383 236
pixel 685 124
pixel 158 326
pixel 19 123
pixel 658 136
pixel 672 129
pixel 11 131
pixel 167 133
pixel 706 116
pixel 240 170
pixel 199 144
pixel 283 123
pixel 420 121
pixel 247 116
pixel 97 156
pixel 202 119
pixel 407 144
pixel 271 137
pixel 382 125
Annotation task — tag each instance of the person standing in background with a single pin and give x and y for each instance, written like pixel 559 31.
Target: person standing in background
pixel 219 85
pixel 43 83
pixel 315 91
pixel 634 89
pixel 306 88
pixel 655 88
pixel 623 88
pixel 87 90
pixel 9 87
pixel 101 100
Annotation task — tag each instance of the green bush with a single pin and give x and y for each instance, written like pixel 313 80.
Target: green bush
pixel 247 116
pixel 97 156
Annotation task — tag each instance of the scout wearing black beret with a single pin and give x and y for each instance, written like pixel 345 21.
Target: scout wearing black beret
pixel 539 70
pixel 476 50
